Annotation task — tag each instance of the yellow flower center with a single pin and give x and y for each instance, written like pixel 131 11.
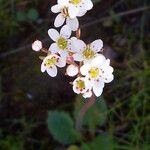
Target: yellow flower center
pixel 75 2
pixel 94 72
pixel 62 43
pixel 88 53
pixel 80 84
pixel 50 62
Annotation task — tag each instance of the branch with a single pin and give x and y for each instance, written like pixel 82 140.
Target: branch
pixel 133 11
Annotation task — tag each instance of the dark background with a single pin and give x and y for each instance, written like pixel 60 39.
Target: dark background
pixel 26 94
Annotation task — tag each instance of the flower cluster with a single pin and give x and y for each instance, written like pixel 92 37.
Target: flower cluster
pixel 84 61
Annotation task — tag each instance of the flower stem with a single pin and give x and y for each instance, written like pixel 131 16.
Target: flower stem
pixel 44 50
pixel 78 33
pixel 83 110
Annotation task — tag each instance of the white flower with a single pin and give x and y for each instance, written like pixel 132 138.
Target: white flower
pixel 79 7
pixel 72 70
pixel 50 62
pixel 83 52
pixel 37 45
pixel 82 86
pixel 98 72
pixel 63 15
pixel 62 43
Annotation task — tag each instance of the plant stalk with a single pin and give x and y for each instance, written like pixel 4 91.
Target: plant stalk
pixel 89 103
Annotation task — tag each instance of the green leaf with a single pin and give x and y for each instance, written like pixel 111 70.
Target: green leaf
pixel 73 147
pixel 60 126
pixel 32 14
pixel 102 142
pixel 85 147
pixel 21 16
pixel 96 115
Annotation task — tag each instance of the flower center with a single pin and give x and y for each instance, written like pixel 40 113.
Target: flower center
pixel 94 72
pixel 65 13
pixel 50 62
pixel 62 43
pixel 80 84
pixel 75 2
pixel 88 53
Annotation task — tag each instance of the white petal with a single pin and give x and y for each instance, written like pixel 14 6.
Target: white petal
pixel 78 57
pixel 99 60
pixel 59 21
pixel 85 69
pixel 63 53
pixel 63 2
pixel 108 61
pixel 79 45
pixel 73 24
pixel 87 61
pixel 52 71
pixel 76 90
pixel 108 78
pixel 97 91
pixel 61 63
pixel 87 5
pixel 88 84
pixel 55 9
pixel 107 69
pixel 97 45
pixel 72 70
pixel 43 68
pixel 65 32
pixel 54 35
pixel 98 83
pixel 71 45
pixel 81 13
pixel 87 94
pixel 73 11
pixel 54 48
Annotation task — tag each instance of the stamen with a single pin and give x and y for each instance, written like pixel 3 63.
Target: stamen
pixel 80 85
pixel 75 2
pixel 94 72
pixel 62 43
pixel 50 61
pixel 88 53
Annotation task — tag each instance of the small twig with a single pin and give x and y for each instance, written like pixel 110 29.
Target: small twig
pixel 89 103
pixel 133 11
pixel 78 33
pixel 125 13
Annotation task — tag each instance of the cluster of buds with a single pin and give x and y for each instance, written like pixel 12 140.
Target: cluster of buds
pixel 84 61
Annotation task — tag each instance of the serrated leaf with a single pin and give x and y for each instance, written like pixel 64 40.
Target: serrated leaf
pixel 102 142
pixel 60 126
pixel 96 115
pixel 32 14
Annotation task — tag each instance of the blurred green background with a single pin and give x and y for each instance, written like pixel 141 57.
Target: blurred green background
pixel 38 112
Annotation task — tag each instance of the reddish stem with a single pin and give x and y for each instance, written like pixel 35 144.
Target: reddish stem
pixel 83 110
pixel 78 33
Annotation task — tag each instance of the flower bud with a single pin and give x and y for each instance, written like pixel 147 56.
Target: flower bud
pixel 37 45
